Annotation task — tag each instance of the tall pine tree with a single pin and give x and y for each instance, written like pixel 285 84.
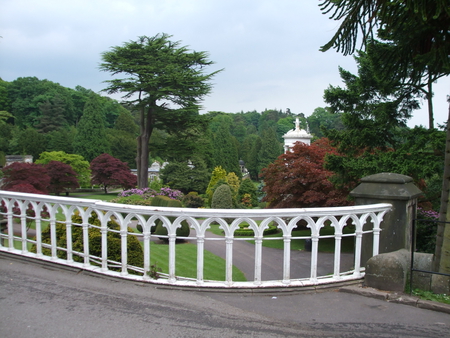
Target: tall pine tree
pixel 225 150
pixel 91 140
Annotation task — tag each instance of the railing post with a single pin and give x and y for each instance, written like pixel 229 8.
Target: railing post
pixel 314 251
pixel 358 244
pixel 287 259
pixel 123 236
pixel 229 260
pixel 398 190
pixel 200 258
pixel 258 259
pixel 85 243
pixel 337 254
pixel 146 253
pixel 172 239
pixel 10 227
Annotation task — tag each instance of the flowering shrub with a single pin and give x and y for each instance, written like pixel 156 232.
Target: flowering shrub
pixel 147 193
pixel 426 227
pixel 171 193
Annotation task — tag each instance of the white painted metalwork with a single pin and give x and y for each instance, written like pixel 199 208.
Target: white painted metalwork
pixel 50 210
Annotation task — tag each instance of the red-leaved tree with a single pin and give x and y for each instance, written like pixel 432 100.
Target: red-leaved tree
pixel 109 171
pixel 297 179
pixel 19 174
pixel 62 177
pixel 25 177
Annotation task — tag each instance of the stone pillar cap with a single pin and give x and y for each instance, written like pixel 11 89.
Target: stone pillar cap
pixel 387 178
pixel 386 186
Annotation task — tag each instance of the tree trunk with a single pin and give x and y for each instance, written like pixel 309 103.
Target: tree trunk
pixel 430 104
pixel 441 261
pixel 146 128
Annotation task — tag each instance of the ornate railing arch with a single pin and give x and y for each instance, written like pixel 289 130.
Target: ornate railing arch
pixel 15 237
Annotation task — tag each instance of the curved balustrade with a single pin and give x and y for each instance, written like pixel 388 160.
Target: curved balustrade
pixel 49 210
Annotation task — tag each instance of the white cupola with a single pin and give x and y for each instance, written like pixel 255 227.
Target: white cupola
pixel 296 135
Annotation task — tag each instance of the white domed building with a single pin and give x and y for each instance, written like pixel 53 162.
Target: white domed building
pixel 296 135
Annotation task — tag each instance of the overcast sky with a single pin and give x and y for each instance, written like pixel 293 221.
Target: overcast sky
pixel 269 49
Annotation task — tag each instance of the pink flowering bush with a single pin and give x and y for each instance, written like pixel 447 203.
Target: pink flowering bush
pixel 135 196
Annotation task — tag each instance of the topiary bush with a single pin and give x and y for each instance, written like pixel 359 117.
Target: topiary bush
pixel 134 248
pixel 222 198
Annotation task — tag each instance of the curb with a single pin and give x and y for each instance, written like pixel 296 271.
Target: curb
pixel 395 297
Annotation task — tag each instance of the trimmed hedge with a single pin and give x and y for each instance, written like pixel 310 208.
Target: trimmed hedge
pixel 245 231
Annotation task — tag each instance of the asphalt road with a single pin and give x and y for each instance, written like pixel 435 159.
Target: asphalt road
pixel 45 301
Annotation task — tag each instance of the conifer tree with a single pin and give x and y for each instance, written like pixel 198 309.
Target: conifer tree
pixel 218 174
pixel 90 140
pixel 225 150
pixel 270 149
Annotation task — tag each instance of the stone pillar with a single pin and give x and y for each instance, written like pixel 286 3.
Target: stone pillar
pixel 398 190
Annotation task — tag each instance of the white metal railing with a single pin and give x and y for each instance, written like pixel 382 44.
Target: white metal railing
pixel 16 238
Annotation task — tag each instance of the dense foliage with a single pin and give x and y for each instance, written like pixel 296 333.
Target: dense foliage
pixel 114 242
pixel 298 179
pixel 25 174
pixel 77 162
pixel 222 198
pixel 108 171
pixel 62 177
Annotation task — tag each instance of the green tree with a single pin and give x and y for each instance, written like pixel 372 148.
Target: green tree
pixel 270 149
pixel 26 94
pixel 247 187
pixel 186 176
pixel 217 174
pixel 77 162
pixel 27 142
pixel 225 150
pixel 90 140
pixel 52 115
pixel 322 119
pixel 125 123
pixel 253 160
pixel 159 73
pixel 222 198
pixel 419 31
pixel 234 182
pixel 370 108
pixel 61 140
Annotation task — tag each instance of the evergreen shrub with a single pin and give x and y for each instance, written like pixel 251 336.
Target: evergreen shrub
pixel 134 248
pixel 222 198
pixel 193 200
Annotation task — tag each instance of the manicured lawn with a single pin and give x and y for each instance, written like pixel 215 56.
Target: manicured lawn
pixel 186 262
pixel 95 196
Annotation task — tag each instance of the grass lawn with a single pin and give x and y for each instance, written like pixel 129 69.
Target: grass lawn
pixel 186 262
pixel 95 196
